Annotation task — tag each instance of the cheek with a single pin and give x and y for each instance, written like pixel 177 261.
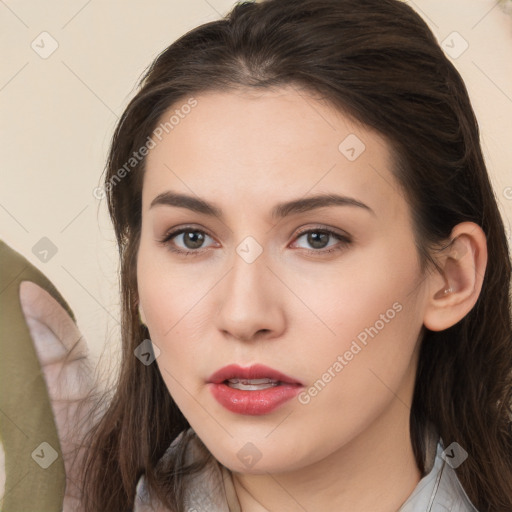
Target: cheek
pixel 371 350
pixel 173 301
pixel 168 292
pixel 368 295
pixel 375 319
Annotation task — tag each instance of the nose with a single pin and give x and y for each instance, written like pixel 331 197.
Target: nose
pixel 251 301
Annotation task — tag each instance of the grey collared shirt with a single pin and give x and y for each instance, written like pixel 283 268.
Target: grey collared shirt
pixel 439 491
pixel 212 490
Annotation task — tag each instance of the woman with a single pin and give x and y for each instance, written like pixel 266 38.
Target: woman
pixel 308 232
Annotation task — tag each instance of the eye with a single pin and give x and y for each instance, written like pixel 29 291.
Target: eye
pixel 191 238
pixel 319 237
pixel 188 241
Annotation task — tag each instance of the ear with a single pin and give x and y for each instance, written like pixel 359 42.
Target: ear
pixel 453 292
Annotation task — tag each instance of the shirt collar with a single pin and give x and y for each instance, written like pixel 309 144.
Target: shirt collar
pixel 440 490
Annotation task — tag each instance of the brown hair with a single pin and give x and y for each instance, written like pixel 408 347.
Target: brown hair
pixel 377 61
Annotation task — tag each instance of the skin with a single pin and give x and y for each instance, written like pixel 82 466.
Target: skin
pixel 348 448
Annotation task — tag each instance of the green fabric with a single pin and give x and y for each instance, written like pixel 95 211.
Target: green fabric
pixel 26 418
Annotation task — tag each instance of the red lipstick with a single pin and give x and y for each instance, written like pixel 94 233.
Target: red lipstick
pixel 254 390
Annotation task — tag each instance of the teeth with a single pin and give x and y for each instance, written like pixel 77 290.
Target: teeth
pixel 252 384
pixel 251 381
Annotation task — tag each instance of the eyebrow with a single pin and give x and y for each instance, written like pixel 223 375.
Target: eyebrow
pixel 279 211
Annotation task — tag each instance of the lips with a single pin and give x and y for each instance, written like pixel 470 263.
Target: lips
pixel 256 390
pixel 257 371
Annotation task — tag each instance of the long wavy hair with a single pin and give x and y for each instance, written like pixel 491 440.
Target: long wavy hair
pixel 378 62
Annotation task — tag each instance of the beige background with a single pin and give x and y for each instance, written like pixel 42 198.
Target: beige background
pixel 58 113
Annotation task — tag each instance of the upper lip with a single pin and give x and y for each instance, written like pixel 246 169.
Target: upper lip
pixel 256 371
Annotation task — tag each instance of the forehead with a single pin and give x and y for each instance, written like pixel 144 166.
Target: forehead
pixel 267 146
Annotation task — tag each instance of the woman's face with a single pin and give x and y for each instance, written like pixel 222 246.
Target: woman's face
pixel 340 313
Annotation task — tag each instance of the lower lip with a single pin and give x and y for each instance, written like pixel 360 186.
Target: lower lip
pixel 253 403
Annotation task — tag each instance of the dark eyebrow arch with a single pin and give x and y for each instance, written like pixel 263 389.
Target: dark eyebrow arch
pixel 279 211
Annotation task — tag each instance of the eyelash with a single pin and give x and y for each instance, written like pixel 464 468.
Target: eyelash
pixel 344 241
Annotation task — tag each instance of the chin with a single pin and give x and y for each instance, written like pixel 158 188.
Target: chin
pixel 249 460
pixel 260 468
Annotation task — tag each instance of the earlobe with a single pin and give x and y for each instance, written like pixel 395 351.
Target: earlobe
pixel 453 292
